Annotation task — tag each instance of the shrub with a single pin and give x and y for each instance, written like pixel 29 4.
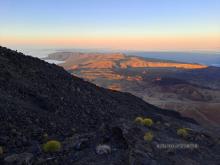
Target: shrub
pixel 148 122
pixel 183 132
pixel 139 120
pixel 1 150
pixel 52 146
pixel 148 136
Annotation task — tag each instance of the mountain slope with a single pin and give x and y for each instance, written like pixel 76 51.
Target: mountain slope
pixel 37 98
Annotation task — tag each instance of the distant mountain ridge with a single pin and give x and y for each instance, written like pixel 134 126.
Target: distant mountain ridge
pixel 114 60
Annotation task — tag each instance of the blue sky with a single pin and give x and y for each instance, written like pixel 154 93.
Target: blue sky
pixel 100 21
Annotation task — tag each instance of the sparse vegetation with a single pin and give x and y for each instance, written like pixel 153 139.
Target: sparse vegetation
pixel 183 132
pixel 144 121
pixel 148 122
pixel 52 146
pixel 1 150
pixel 139 120
pixel 148 136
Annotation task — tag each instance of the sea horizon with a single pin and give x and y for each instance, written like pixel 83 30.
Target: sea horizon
pixel 201 57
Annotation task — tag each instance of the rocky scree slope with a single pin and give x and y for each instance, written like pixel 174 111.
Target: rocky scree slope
pixel 41 101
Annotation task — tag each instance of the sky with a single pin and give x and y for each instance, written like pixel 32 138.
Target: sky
pixel 155 25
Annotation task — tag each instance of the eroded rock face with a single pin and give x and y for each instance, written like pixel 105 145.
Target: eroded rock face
pixel 41 102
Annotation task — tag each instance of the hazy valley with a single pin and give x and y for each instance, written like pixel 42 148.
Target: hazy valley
pixel 192 89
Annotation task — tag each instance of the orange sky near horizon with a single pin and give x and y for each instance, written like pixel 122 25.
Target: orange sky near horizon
pixel 175 43
pixel 154 25
pixel 188 25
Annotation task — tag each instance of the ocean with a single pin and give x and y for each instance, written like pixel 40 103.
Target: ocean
pixel 206 58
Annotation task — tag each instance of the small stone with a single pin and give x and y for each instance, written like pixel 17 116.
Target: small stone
pixel 81 144
pixel 19 159
pixel 1 150
pixel 167 124
pixel 4 139
pixel 103 149
pixel 13 131
pixel 78 89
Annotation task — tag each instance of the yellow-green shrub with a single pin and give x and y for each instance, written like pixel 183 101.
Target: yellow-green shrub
pixel 183 132
pixel 148 136
pixel 139 120
pixel 148 122
pixel 52 146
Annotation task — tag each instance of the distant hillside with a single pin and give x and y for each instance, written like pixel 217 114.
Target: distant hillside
pixel 192 89
pixel 95 126
pixel 115 60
